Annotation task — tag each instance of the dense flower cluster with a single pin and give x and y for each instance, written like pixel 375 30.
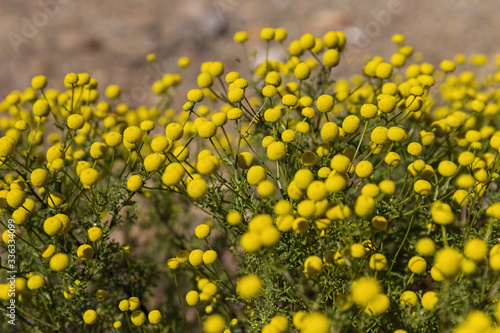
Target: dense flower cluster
pixel 360 204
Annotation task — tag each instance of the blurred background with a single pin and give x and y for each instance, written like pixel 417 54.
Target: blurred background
pixel 110 39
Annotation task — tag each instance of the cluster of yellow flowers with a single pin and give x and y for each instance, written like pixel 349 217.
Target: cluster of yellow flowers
pixel 368 203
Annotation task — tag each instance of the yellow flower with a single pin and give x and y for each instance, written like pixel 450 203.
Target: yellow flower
pixel 59 262
pixel 249 286
pixel 329 131
pixel 85 252
pixel 192 298
pixel 52 226
pixel 324 103
pixel 425 246
pixel 378 262
pixel 364 169
pixel 134 183
pixel 302 71
pixel 89 177
pixel 417 265
pixel 442 213
pixel 215 323
pixel 476 249
pixel 40 178
pixel 138 318
pixel 447 261
pixel 94 234
pixel 197 188
pixel 209 257
pixel 408 298
pixel 90 317
pixel 369 111
pixel 364 289
pixel 35 282
pixel 429 300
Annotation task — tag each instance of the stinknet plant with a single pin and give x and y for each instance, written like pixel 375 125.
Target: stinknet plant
pixel 329 204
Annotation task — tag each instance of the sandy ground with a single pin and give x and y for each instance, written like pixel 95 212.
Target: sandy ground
pixel 110 39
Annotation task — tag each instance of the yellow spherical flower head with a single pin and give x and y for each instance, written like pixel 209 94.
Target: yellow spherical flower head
pixel 397 134
pixel 85 252
pixel 59 262
pixel 89 177
pixel 134 303
pixel 195 95
pixel 207 130
pixel 447 66
pixel 90 317
pixel 154 317
pixel 422 187
pixel 138 318
pixel 364 289
pixel 234 218
pixel 313 265
pixel 15 198
pixel 357 250
pixel 383 70
pixel 324 103
pixel 41 108
pixel 55 200
pixel 75 121
pixel 35 282
pixel 266 188
pixel 369 111
pixel 40 178
pixel 192 298
pixel 202 231
pixel 98 150
pixel 249 286
pixel 351 124
pixel 302 71
pixel 442 213
pixel 379 135
pixel 174 131
pixel 39 82
pixel 408 298
pixel 197 188
pixel 387 187
pixel 378 305
pixel 329 132
pixel 250 242
pixel 316 322
pixel 94 234
pixel 392 159
pixel 364 206
pixel 256 174
pixel 429 300
pixel 48 251
pixel 132 134
pixel 124 305
pixel 52 226
pixel 209 257
pixel 476 249
pixel 214 323
pixel 417 265
pixel 447 261
pixel 378 262
pixel 447 169
pixel 134 183
pixel 386 103
pixel 364 169
pixel 331 58
pixel 425 246
pixel 196 257
pixel 154 162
